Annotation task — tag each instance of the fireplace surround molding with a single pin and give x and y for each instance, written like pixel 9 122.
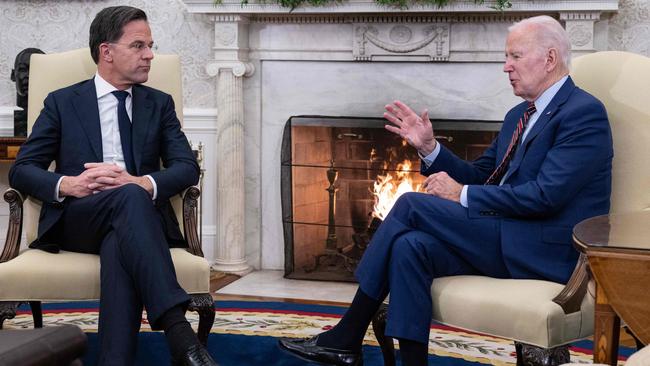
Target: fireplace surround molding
pixel 362 34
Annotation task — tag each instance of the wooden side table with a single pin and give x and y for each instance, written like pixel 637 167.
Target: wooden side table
pixel 617 247
pixel 9 147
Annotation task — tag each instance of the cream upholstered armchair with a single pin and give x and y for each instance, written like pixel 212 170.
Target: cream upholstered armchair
pixel 543 317
pixel 33 275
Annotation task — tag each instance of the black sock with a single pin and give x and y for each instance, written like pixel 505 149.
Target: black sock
pixel 349 332
pixel 413 353
pixel 180 335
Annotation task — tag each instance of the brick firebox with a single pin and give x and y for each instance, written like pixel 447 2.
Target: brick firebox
pixel 340 158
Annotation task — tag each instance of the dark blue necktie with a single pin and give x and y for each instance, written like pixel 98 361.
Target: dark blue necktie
pixel 125 130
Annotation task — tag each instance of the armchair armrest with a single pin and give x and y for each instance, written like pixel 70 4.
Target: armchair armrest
pixel 190 206
pixel 570 298
pixel 15 227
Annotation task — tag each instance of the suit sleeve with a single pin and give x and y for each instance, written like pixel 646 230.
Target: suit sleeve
pixel 29 173
pixel 582 145
pixel 181 169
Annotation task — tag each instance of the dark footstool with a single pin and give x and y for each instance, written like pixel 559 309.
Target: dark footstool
pixel 51 346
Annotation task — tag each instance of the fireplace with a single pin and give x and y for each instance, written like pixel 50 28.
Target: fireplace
pixel 346 58
pixel 337 174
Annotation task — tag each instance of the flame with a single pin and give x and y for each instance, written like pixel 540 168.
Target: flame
pixel 388 188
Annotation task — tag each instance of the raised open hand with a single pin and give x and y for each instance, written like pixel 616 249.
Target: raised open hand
pixel 416 130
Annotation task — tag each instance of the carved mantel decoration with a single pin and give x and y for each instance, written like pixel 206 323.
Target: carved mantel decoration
pixel 356 31
pixel 401 42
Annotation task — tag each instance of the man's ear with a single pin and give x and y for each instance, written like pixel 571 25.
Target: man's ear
pixel 105 52
pixel 13 75
pixel 552 59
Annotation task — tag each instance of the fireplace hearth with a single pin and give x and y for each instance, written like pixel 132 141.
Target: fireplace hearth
pixel 332 171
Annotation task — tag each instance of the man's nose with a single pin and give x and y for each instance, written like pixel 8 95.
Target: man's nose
pixel 147 54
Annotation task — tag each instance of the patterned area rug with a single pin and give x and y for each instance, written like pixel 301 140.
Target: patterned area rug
pixel 245 333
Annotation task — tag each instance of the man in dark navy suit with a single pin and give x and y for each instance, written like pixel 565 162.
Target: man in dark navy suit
pixel 108 194
pixel 508 214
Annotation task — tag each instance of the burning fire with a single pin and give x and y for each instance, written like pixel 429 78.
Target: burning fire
pixel 388 188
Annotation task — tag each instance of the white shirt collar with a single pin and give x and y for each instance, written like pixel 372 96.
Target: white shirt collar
pixel 543 101
pixel 103 87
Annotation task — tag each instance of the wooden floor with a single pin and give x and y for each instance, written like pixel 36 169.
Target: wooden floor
pixel 219 280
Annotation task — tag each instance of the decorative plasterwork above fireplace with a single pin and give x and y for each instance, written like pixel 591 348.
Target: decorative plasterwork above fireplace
pixel 390 42
pixel 417 33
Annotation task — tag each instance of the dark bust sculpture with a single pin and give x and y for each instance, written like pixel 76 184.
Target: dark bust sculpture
pixel 20 74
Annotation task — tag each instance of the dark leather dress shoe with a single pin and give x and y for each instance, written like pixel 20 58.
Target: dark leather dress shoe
pixel 308 350
pixel 196 355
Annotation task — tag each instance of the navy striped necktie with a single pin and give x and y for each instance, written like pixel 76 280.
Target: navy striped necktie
pixel 125 130
pixel 500 171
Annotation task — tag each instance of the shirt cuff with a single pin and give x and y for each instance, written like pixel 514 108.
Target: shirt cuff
pixel 429 159
pixel 56 190
pixel 155 187
pixel 463 197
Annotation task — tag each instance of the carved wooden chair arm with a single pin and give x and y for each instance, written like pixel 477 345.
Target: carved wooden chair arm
pixel 190 216
pixel 570 298
pixel 15 227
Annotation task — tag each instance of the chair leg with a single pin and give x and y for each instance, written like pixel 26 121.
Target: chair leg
pixel 204 305
pixel 37 313
pixel 528 355
pixel 386 343
pixel 637 341
pixel 7 310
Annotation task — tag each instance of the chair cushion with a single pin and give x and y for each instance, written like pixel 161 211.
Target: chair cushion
pixel 43 276
pixel 521 310
pixel 640 357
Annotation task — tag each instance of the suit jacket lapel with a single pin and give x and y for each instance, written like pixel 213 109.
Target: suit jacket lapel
pixel 142 109
pixel 556 103
pixel 85 105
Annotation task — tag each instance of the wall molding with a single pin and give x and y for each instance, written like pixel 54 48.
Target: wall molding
pixel 208 242
pixel 195 120
pixel 200 120
pixel 384 18
pixel 7 121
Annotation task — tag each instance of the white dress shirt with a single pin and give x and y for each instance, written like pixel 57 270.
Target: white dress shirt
pixel 107 104
pixel 111 141
pixel 540 104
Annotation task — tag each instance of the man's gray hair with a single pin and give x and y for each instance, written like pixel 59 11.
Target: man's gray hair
pixel 550 35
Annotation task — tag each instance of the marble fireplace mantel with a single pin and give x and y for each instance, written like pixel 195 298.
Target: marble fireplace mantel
pixel 270 63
